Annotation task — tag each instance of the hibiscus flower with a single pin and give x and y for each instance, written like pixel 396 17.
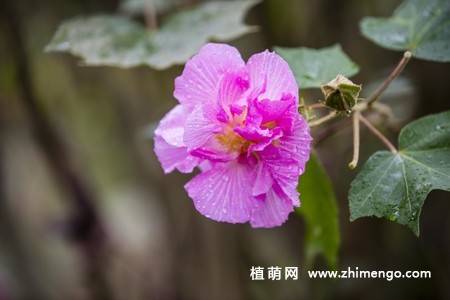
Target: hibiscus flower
pixel 239 124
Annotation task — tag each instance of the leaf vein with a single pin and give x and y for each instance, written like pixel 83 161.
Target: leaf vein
pixel 378 181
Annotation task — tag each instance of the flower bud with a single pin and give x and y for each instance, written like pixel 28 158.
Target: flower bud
pixel 341 93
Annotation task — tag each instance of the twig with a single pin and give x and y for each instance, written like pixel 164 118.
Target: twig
pixel 356 142
pixel 378 134
pixel 398 69
pixel 324 119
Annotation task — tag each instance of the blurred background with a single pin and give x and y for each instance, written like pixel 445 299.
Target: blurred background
pixel 87 213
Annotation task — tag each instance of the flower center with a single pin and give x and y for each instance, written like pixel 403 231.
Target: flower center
pixel 233 141
pixel 269 125
pixel 229 138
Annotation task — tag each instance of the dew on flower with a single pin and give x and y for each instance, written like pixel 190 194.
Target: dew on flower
pixel 241 120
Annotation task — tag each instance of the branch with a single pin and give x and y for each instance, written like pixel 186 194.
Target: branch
pixel 394 74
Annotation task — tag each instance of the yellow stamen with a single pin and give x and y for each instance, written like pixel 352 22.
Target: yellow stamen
pixel 269 125
pixel 233 141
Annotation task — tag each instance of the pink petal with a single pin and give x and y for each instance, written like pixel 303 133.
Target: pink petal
pixel 271 75
pixel 200 127
pixel 231 89
pixel 286 160
pixel 285 172
pixel 202 73
pixel 171 127
pixel 253 133
pixel 271 110
pixel 172 157
pixel 297 143
pixel 169 146
pixel 214 153
pixel 273 211
pixel 262 144
pixel 263 181
pixel 224 192
pixel 205 165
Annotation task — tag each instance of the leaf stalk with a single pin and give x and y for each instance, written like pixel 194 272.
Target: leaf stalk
pixel 394 74
pixel 150 15
pixel 378 134
pixel 324 119
pixel 356 140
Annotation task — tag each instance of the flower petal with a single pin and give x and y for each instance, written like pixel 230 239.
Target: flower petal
pixel 231 89
pixel 172 157
pixel 286 160
pixel 297 143
pixel 271 110
pixel 273 211
pixel 169 146
pixel 171 127
pixel 213 153
pixel 271 75
pixel 285 172
pixel 263 181
pixel 202 73
pixel 200 127
pixel 223 193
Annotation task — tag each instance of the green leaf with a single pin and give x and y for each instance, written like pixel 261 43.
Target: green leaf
pixel 118 41
pixel 320 211
pixel 395 186
pixel 314 67
pixel 421 26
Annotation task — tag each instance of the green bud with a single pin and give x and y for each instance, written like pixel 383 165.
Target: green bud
pixel 341 93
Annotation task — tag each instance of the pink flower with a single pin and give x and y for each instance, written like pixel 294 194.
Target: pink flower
pixel 239 124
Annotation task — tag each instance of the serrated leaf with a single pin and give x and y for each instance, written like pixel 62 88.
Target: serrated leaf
pixel 421 26
pixel 319 208
pixel 118 41
pixel 395 186
pixel 314 67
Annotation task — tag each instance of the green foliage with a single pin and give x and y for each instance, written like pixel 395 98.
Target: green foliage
pixel 118 41
pixel 315 67
pixel 421 26
pixel 395 185
pixel 320 211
